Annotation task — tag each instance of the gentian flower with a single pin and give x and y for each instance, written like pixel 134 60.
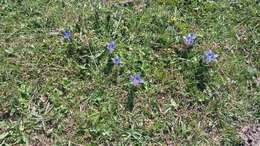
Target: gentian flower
pixel 189 39
pixel 111 46
pixel 67 35
pixel 136 79
pixel 209 56
pixel 116 60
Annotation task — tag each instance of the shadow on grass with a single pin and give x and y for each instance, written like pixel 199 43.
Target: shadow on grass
pixel 130 99
pixel 201 73
pixel 201 76
pixel 109 66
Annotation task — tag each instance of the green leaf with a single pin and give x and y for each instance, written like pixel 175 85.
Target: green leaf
pixel 3 135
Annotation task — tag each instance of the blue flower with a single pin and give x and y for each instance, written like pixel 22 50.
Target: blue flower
pixel 67 35
pixel 189 39
pixel 136 79
pixel 116 60
pixel 111 46
pixel 209 56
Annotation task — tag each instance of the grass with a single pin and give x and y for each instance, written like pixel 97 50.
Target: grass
pixel 55 92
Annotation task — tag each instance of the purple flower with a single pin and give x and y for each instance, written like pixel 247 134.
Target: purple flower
pixel 116 60
pixel 111 46
pixel 67 35
pixel 209 56
pixel 189 39
pixel 136 79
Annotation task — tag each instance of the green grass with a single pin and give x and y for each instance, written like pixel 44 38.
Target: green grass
pixel 55 92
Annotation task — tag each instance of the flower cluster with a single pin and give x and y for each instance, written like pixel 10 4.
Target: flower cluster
pixel 209 56
pixel 111 46
pixel 136 78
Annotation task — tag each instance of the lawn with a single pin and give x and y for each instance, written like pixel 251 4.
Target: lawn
pixel 86 72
